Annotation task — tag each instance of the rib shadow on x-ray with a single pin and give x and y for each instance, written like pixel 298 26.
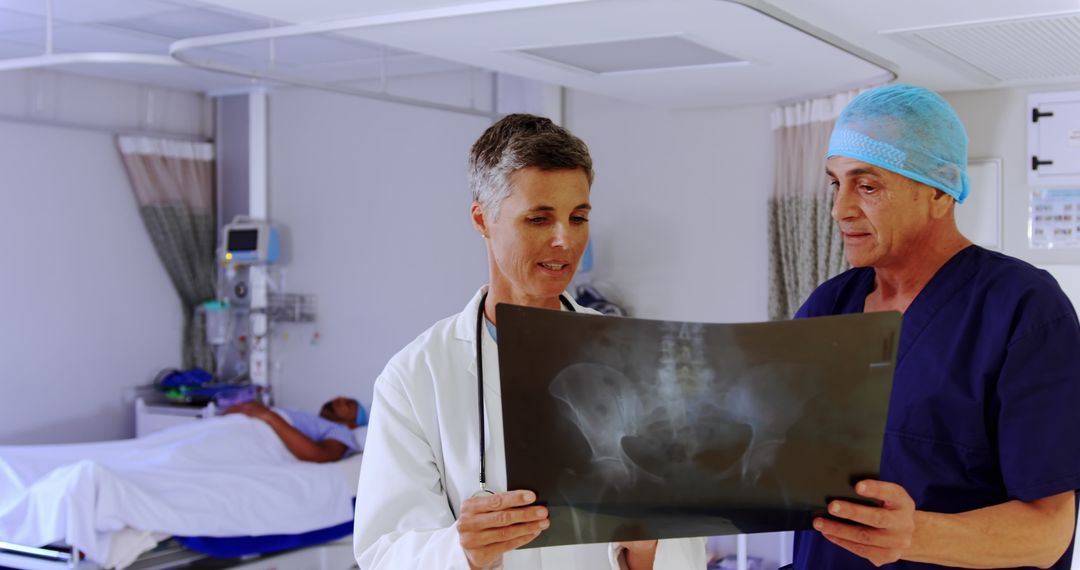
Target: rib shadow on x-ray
pixel 630 429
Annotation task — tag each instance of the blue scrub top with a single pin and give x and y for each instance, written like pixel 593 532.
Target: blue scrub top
pixel 985 403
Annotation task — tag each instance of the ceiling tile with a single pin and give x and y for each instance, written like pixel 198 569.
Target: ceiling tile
pixel 290 52
pixel 11 49
pixel 190 22
pixel 83 11
pixel 320 10
pixel 188 3
pixel 352 71
pixel 248 57
pixel 34 38
pixel 11 21
pixel 73 38
pixel 323 49
pixel 163 76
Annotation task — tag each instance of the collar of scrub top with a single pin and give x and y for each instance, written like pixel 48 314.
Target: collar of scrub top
pixel 480 384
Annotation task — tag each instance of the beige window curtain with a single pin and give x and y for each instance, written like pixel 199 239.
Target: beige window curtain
pixel 805 248
pixel 173 185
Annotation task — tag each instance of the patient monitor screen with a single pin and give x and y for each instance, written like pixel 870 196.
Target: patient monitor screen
pixel 243 240
pixel 629 429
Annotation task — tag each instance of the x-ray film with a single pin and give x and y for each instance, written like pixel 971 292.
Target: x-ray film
pixel 631 429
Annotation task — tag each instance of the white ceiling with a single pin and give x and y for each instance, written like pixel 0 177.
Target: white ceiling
pixel 857 22
pixel 151 26
pixel 865 24
pixel 782 62
pixel 105 26
pixel 783 65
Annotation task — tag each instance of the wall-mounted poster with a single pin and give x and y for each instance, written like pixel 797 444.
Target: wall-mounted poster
pixel 1054 219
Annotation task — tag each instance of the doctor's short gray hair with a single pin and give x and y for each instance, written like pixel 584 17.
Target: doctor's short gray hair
pixel 520 141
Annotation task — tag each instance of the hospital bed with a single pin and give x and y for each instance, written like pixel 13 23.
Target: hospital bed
pixel 334 555
pixel 227 490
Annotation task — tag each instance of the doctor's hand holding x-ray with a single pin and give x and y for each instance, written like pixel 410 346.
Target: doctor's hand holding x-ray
pixel 432 491
pixel 491 525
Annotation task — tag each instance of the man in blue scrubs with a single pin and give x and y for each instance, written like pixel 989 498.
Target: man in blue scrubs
pixel 981 458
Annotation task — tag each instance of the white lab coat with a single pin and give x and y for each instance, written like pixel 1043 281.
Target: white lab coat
pixel 421 461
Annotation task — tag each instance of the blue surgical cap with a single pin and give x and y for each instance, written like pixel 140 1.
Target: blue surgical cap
pixel 908 130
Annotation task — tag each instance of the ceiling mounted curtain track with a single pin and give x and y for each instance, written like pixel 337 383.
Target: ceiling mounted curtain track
pixel 182 49
pixel 52 59
pixel 101 128
pixel 188 50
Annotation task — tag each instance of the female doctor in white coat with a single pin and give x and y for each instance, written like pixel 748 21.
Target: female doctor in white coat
pixel 428 496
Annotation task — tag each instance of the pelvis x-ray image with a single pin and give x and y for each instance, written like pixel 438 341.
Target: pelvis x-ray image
pixel 630 429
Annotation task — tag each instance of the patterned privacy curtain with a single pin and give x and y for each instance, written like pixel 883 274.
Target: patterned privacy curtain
pixel 805 247
pixel 173 184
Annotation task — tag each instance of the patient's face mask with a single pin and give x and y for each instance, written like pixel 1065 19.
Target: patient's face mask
pixel 540 233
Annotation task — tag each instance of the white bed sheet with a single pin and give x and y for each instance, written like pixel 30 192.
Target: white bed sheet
pixel 226 476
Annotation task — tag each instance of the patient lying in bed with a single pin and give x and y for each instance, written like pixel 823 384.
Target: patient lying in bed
pixel 226 476
pixel 319 439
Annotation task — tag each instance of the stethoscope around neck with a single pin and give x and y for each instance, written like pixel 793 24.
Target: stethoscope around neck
pixel 480 385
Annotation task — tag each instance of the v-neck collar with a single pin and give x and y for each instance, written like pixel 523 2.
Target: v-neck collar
pixel 949 280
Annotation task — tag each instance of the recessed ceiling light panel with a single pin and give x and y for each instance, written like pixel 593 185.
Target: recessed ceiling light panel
pixel 633 55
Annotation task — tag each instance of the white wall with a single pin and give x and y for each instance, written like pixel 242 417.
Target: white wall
pixel 88 310
pixel 375 202
pixel 680 220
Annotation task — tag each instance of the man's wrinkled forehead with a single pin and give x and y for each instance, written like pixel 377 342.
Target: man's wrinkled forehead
pixel 842 166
